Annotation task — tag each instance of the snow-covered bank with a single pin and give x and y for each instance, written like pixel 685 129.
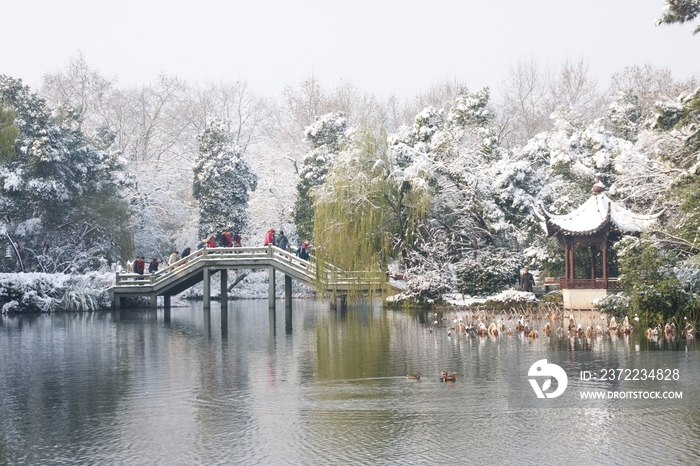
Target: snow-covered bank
pixel 504 299
pixel 44 292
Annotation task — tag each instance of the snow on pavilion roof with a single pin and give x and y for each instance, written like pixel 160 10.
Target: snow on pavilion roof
pixel 592 216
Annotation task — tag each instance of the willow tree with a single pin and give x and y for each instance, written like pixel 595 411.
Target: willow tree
pixel 367 209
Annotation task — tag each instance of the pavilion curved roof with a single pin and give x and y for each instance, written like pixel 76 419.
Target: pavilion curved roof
pixel 592 217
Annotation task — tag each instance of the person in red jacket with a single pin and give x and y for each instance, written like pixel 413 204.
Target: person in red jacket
pixel 270 237
pixel 228 239
pixel 140 265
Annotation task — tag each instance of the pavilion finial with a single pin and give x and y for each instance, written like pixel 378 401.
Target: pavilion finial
pixel 598 187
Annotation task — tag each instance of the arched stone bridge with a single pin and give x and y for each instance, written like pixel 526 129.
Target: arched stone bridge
pixel 201 265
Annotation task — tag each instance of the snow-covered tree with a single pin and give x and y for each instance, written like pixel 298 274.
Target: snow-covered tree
pixel 326 137
pixel 59 187
pixel 680 11
pixel 625 114
pixel 366 211
pixel 8 133
pixel 223 181
pixel 678 134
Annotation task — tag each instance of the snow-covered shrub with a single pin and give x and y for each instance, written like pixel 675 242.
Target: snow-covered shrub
pixel 614 304
pixel 30 292
pixel 648 273
pixel 489 271
pixel 80 293
pixel 41 292
pixel 511 298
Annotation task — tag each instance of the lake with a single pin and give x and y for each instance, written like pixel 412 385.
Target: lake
pixel 249 386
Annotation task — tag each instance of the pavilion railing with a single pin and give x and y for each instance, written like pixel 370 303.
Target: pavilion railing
pixel 590 284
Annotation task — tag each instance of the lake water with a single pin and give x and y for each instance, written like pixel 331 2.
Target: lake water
pixel 321 386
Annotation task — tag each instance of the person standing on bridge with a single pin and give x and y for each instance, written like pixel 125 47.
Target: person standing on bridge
pixel 303 251
pixel 173 258
pixel 228 240
pixel 140 265
pixel 282 241
pixel 153 266
pixel 236 240
pixel 185 252
pixel 270 237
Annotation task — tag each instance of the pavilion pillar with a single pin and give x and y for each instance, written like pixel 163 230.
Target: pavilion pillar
pixel 566 260
pixel 572 261
pixel 605 261
pixel 593 252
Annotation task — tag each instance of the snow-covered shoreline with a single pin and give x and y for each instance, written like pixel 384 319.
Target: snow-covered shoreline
pixel 44 292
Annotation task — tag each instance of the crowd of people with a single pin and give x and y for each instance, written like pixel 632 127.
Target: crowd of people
pixel 224 239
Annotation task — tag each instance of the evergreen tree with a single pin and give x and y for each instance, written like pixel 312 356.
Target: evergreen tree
pixel 680 11
pixel 8 133
pixel 222 181
pixel 679 121
pixel 625 115
pixel 59 190
pixel 326 137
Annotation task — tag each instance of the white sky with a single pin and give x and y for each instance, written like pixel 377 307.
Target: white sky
pixel 384 47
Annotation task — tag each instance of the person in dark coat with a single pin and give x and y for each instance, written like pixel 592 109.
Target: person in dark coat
pixel 185 253
pixel 282 241
pixel 303 251
pixel 527 281
pixel 236 240
pixel 153 266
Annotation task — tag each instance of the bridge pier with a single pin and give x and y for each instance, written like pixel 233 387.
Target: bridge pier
pixel 154 301
pixel 206 288
pixel 271 288
pixel 288 292
pixel 166 301
pixel 224 288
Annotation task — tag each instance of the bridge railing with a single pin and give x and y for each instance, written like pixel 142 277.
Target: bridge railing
pixel 334 277
pixel 303 267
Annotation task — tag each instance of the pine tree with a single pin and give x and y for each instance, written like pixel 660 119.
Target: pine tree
pixel 680 11
pixel 222 181
pixel 8 133
pixel 326 137
pixel 58 189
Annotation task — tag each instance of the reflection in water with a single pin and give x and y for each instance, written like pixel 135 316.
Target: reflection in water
pixel 170 387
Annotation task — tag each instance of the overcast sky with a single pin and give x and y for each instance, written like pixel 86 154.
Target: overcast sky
pixel 385 47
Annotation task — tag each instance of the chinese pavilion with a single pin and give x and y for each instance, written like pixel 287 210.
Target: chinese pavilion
pixel 597 223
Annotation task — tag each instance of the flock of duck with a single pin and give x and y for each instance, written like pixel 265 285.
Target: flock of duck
pixel 485 323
